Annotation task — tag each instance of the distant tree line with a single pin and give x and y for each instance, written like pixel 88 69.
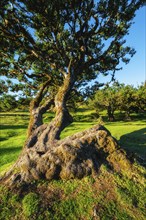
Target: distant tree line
pixel 119 97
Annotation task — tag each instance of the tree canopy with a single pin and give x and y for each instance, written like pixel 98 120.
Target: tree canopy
pixel 54 47
pixel 43 39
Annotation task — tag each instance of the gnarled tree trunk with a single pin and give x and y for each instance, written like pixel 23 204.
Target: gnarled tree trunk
pixel 73 157
pixel 37 111
pixel 45 156
pixel 62 118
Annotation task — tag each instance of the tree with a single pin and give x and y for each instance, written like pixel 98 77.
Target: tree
pixel 140 98
pixel 127 101
pixel 7 102
pixel 106 99
pixel 14 95
pixel 55 47
pixel 121 97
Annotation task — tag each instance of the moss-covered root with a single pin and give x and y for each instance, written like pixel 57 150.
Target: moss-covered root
pixel 76 156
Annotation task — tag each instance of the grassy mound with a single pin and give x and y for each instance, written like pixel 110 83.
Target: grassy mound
pixel 106 196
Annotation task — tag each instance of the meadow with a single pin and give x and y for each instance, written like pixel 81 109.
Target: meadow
pixel 108 196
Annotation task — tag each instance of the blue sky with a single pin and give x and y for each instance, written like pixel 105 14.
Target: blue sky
pixel 134 73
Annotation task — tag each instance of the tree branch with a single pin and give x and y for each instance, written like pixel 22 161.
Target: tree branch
pixel 36 101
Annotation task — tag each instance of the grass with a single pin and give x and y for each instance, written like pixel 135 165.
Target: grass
pixel 131 136
pixel 12 137
pixel 107 196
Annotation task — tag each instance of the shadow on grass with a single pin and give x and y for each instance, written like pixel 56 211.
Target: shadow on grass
pixel 135 142
pixel 3 139
pixel 8 155
pixel 85 118
pixel 13 127
pixel 11 150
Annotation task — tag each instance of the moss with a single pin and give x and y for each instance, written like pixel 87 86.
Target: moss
pixel 111 210
pixel 30 205
pixel 78 204
pixel 10 205
pixel 119 162
pixel 106 196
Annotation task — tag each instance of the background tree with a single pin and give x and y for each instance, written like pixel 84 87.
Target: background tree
pixel 7 102
pixel 127 100
pixel 106 99
pixel 15 95
pixel 119 97
pixel 140 97
pixel 55 47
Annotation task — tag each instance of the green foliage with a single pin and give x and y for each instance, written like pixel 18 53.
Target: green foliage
pixel 7 102
pixel 124 98
pixel 30 205
pixel 140 97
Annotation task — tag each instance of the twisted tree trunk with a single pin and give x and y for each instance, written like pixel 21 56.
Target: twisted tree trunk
pixel 43 137
pixel 74 157
pixel 45 156
pixel 37 111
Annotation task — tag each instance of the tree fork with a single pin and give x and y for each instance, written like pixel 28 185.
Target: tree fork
pixel 62 118
pixel 36 112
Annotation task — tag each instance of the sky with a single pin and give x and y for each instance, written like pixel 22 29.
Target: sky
pixel 134 73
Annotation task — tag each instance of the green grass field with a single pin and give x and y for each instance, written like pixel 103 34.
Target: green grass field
pixel 109 196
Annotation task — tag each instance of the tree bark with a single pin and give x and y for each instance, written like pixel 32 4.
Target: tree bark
pixel 110 113
pixel 62 118
pixel 37 111
pixel 44 136
pixel 76 156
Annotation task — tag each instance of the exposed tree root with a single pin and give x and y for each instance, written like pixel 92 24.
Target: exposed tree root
pixel 73 157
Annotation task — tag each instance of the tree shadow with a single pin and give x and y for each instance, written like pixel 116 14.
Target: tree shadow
pixel 13 127
pixel 120 116
pixel 9 155
pixel 10 150
pixel 3 139
pixel 135 144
